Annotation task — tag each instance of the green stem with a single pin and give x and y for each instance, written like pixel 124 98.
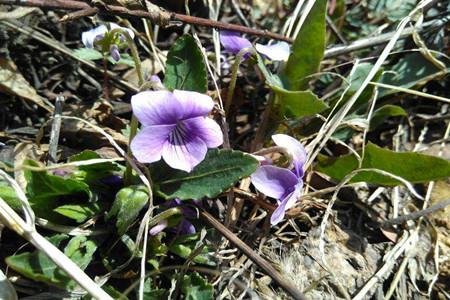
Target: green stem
pixel 164 215
pixel 134 122
pixel 263 128
pixel 234 72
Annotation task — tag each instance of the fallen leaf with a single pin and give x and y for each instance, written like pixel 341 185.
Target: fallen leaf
pixel 13 83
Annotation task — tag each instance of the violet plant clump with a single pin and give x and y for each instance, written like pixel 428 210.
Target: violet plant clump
pixel 282 184
pixel 176 127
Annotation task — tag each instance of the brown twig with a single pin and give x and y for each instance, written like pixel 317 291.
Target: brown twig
pixel 415 215
pixel 157 16
pixel 257 259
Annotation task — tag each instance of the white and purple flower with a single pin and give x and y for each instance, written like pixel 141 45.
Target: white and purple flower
pixel 97 35
pixel 282 184
pixel 233 42
pixel 176 127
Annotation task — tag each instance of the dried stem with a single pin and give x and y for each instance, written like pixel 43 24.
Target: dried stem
pixel 257 259
pixel 105 78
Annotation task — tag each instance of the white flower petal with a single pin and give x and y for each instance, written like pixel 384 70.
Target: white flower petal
pixel 277 52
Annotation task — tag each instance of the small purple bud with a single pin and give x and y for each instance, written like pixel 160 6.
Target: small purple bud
pixel 158 227
pixel 115 54
pixel 185 227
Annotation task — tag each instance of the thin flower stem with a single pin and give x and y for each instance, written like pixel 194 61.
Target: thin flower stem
pixel 105 78
pixel 234 72
pixel 134 122
pixel 261 132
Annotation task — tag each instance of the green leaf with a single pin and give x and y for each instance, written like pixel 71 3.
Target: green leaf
pixel 394 10
pixel 195 287
pixel 356 80
pixel 88 54
pixel 271 79
pixel 127 205
pixel 7 290
pixel 92 173
pixel 185 69
pixel 8 194
pixel 44 189
pixel 80 250
pixel 308 48
pixel 411 70
pixel 155 294
pixel 184 245
pixel 220 170
pixel 151 293
pixel 414 167
pixel 185 250
pixel 299 103
pixel 78 212
pixel 38 266
pixel 384 112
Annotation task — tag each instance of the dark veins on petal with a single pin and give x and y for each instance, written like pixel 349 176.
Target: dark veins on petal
pixel 179 136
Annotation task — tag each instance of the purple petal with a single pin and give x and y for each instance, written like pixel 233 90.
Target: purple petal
pixel 273 181
pixel 115 54
pixel 89 37
pixel 185 227
pixel 233 42
pixel 286 204
pixel 207 129
pixel 184 150
pixel 173 203
pixel 147 146
pixel 155 79
pixel 295 148
pixel 113 180
pixel 156 108
pixel 192 104
pixel 278 214
pixel 158 227
pixel 278 52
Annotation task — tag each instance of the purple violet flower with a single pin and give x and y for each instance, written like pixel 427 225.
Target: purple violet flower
pixel 282 184
pixel 176 127
pixel 94 36
pixel 233 42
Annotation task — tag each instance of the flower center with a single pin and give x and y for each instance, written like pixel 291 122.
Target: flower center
pixel 179 136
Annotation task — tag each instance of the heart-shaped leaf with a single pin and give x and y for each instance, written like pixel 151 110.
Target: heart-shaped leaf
pixel 220 170
pixel 38 266
pixel 185 69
